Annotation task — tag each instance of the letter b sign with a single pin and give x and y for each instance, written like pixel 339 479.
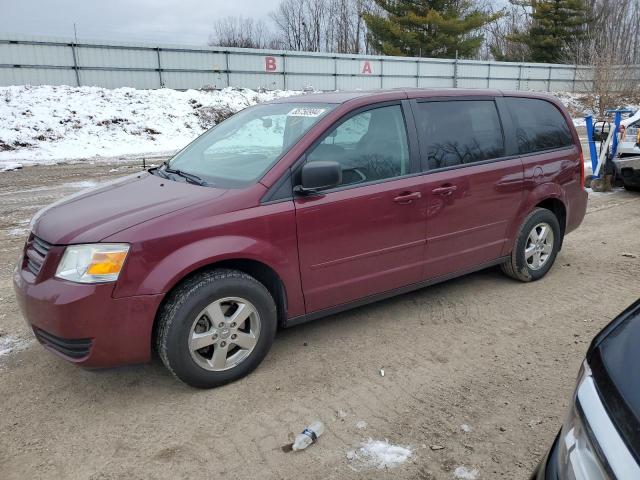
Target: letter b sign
pixel 270 64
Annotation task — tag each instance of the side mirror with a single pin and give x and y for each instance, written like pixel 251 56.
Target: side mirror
pixel 319 176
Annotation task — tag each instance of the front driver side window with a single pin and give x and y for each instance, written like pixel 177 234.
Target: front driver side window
pixel 370 146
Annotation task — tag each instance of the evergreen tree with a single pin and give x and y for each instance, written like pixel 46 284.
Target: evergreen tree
pixel 556 26
pixel 431 28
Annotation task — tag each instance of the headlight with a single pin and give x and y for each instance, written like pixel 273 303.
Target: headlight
pixel 93 263
pixel 578 458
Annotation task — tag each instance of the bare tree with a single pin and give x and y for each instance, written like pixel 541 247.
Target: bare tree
pixel 322 25
pixel 516 18
pixel 240 32
pixel 612 50
pixel 291 20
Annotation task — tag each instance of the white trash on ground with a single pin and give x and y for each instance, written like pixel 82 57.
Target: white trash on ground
pixel 465 473
pixel 466 428
pixel 379 454
pixel 308 436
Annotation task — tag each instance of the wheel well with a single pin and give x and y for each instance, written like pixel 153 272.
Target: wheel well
pixel 558 209
pixel 266 276
pixel 258 270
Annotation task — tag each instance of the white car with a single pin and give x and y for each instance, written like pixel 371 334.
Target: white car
pixel 630 140
pixel 627 161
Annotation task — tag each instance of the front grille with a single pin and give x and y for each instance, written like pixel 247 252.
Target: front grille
pixel 74 348
pixel 35 254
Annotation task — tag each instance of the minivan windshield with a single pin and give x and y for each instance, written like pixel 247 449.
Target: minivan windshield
pixel 238 151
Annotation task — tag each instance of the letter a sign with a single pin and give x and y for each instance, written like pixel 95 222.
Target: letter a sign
pixel 366 68
pixel 270 64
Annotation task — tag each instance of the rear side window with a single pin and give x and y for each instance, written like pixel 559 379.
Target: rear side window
pixel 539 125
pixel 459 132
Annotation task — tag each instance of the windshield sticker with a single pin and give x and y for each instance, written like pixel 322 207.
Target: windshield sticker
pixel 306 112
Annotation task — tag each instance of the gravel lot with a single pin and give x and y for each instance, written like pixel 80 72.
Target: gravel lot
pixel 482 350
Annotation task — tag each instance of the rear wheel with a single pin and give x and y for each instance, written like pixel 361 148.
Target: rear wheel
pixel 216 327
pixel 536 246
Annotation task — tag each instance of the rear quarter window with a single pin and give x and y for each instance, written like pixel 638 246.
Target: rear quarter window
pixel 539 125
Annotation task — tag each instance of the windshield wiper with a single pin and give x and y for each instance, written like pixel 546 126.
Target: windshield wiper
pixel 157 171
pixel 189 177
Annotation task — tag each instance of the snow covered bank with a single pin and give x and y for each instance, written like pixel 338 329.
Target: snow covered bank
pixel 47 124
pixel 580 104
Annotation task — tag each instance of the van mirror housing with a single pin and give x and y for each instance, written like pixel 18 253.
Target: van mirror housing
pixel 319 175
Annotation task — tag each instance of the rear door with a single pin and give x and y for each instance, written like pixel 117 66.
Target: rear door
pixel 473 181
pixel 366 236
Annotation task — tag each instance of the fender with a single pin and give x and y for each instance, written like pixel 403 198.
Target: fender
pixel 205 252
pixel 538 194
pixel 172 268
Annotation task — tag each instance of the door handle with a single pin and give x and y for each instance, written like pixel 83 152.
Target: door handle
pixel 448 190
pixel 407 197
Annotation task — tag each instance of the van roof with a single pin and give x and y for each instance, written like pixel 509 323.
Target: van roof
pixel 400 93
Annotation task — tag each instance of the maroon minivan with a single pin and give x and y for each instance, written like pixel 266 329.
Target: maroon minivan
pixel 296 209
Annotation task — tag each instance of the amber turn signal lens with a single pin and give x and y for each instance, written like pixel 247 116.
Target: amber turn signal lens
pixel 105 263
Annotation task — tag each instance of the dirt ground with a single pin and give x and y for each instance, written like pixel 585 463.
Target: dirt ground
pixel 481 350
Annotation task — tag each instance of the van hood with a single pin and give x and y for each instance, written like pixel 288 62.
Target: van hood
pixel 92 215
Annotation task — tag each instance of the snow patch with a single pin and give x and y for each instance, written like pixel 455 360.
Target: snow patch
pixel 9 166
pixel 465 473
pixel 592 193
pixel 11 344
pixel 581 104
pixel 17 232
pixel 379 454
pixel 47 124
pixel 80 184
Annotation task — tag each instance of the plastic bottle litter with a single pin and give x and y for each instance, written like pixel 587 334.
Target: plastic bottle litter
pixel 308 436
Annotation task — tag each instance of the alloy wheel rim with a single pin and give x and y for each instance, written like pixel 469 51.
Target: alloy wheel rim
pixel 224 334
pixel 539 246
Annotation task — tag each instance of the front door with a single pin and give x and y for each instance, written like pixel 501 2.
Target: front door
pixel 474 185
pixel 366 236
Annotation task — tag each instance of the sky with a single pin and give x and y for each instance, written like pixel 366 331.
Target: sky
pixel 168 21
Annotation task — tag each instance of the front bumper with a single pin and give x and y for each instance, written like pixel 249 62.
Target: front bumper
pixel 628 168
pixel 83 323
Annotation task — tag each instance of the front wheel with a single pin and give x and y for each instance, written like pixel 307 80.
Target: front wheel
pixel 216 328
pixel 536 246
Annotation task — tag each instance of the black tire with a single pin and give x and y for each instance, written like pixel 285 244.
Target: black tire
pixel 184 304
pixel 631 188
pixel 517 266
